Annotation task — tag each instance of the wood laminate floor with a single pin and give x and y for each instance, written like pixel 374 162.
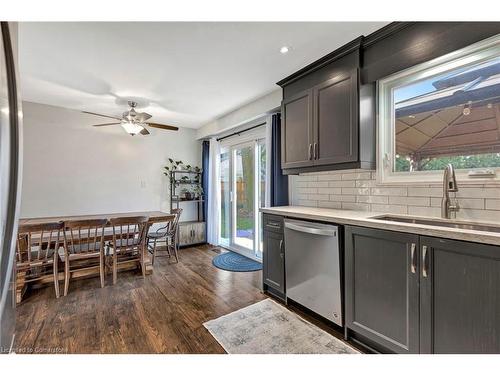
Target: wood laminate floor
pixel 162 313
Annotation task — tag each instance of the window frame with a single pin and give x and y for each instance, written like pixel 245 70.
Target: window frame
pixel 386 143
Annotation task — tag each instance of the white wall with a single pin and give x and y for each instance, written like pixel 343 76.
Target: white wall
pixel 242 115
pixel 73 168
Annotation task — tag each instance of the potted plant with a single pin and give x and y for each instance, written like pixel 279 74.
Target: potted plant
pixel 198 191
pixel 188 195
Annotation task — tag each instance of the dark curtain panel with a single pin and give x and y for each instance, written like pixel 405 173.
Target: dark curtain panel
pixel 279 182
pixel 204 176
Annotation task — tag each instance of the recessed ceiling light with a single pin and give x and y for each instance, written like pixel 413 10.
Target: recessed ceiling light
pixel 284 49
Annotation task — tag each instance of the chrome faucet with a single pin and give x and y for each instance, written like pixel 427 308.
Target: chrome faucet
pixel 449 186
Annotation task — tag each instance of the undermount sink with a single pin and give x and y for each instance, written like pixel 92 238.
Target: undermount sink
pixel 440 223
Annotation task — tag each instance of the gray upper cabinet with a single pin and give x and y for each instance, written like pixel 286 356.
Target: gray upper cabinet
pixel 297 130
pixel 336 120
pixel 460 297
pixel 381 281
pixel 321 111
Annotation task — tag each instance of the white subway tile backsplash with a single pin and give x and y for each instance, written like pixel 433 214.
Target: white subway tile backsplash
pixel 389 208
pixel 435 202
pixel 424 211
pixel 479 215
pixel 307 190
pixel 330 177
pixel 330 204
pixel 355 206
pixel 318 184
pixel 308 203
pixel 410 201
pixel 492 204
pixel 358 190
pixel 329 190
pixel 366 183
pixel 307 177
pixel 318 197
pixel 343 198
pixel 379 199
pixel 478 192
pixel 342 183
pixel 473 203
pixel 356 176
pixel 402 191
pixel 425 191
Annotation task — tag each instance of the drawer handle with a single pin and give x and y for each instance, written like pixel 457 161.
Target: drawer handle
pixel 424 262
pixel 413 258
pixel 273 224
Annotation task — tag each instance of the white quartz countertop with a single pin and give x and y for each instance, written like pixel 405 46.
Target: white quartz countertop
pixel 366 219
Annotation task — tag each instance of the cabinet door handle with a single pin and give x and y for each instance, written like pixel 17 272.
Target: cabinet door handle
pixel 413 258
pixel 273 224
pixel 424 261
pixel 315 150
pixel 310 151
pixel 282 254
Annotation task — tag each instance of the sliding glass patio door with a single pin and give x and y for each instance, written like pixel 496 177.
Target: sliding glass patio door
pixel 242 183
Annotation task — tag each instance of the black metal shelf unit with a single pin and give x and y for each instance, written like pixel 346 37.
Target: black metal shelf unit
pixel 177 180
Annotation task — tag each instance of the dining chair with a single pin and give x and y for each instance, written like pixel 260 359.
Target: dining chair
pixel 128 244
pixel 83 247
pixel 36 252
pixel 169 234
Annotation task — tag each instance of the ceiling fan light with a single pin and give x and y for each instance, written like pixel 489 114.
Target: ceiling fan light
pixel 131 128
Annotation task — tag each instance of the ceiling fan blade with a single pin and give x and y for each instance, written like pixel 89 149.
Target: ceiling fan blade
pixel 143 116
pixel 161 126
pixel 109 123
pixel 98 114
pixel 144 132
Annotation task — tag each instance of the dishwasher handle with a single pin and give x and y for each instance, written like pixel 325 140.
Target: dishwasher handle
pixel 311 230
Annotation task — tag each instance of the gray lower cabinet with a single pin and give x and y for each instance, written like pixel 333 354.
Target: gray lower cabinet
pixel 191 232
pixel 460 297
pixel 417 294
pixel 273 262
pixel 382 293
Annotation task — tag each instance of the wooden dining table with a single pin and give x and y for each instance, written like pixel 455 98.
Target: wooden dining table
pixel 154 218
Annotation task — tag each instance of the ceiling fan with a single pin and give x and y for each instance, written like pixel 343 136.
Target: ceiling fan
pixel 133 122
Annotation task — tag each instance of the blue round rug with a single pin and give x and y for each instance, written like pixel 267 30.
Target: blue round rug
pixel 235 262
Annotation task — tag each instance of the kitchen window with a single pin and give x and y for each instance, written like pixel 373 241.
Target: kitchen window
pixel 443 111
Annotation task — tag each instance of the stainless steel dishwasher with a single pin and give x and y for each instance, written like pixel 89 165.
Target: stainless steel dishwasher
pixel 312 264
